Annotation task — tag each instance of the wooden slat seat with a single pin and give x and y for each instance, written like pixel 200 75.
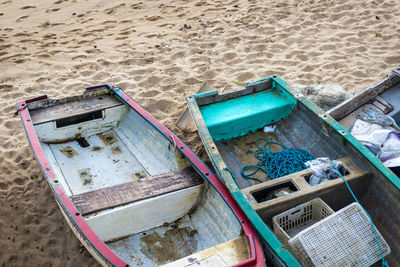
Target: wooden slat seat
pixel 125 193
pixel 73 108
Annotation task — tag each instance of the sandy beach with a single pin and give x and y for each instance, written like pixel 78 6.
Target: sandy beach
pixel 159 52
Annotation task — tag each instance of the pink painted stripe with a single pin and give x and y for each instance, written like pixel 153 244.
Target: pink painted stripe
pixel 88 232
pixel 34 141
pixel 81 226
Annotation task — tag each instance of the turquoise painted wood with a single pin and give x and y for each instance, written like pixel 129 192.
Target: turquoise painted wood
pixel 239 116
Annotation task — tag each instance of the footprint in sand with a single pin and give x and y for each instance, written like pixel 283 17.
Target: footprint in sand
pixel 52 10
pixel 137 6
pixel 112 10
pixel 153 18
pixel 151 93
pixel 21 18
pixel 28 7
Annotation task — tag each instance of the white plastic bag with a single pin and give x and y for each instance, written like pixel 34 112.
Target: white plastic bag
pixel 383 141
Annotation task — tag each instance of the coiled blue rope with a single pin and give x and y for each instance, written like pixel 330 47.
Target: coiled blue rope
pixel 276 164
pixel 384 262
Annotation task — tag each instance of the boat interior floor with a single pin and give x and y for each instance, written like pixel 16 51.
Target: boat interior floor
pixel 178 244
pixel 89 164
pixel 99 161
pixel 149 214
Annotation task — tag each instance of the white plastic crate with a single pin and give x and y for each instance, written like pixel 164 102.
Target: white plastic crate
pixel 345 238
pixel 287 224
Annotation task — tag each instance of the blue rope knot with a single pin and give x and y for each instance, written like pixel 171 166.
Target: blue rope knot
pixel 276 164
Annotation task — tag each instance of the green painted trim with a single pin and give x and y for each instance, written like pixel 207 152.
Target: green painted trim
pixel 282 84
pixel 389 175
pixel 258 81
pixel 263 230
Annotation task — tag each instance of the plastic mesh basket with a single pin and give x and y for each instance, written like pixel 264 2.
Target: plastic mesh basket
pixel 289 223
pixel 345 238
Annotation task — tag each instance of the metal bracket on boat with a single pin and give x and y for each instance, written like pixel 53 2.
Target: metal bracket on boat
pixel 18 110
pixel 173 139
pixel 396 70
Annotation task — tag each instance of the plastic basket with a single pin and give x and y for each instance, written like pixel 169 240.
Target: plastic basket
pixel 287 224
pixel 345 238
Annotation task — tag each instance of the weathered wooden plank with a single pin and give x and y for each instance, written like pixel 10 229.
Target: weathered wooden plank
pixel 152 186
pixel 250 89
pixel 363 97
pixel 70 109
pixel 382 104
pixel 234 164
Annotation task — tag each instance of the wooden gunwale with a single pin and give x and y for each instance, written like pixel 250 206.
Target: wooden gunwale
pixel 365 96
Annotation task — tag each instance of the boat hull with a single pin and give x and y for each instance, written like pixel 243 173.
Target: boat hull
pixel 310 128
pixel 76 217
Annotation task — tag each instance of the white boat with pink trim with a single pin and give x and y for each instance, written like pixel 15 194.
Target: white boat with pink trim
pixel 132 192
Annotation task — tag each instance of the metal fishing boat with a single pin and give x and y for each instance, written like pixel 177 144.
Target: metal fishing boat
pixel 130 190
pixel 232 125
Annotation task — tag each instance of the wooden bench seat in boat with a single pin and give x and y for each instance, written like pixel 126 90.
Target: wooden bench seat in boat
pixel 74 109
pixel 140 189
pixel 333 192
